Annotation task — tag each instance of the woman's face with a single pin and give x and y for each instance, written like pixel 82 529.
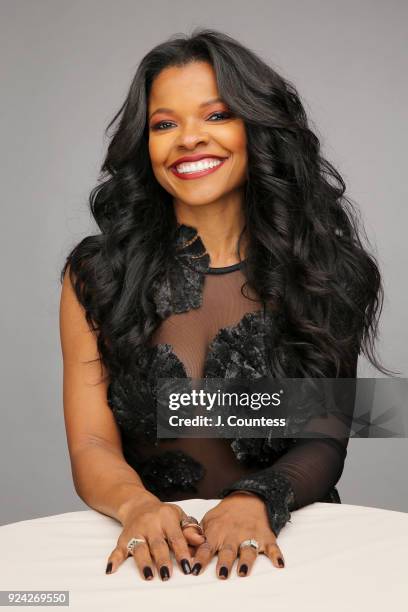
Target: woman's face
pixel 190 124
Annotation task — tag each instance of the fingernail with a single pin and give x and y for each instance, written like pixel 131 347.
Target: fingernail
pixel 223 571
pixel 281 562
pixel 196 569
pixel 243 569
pixel 164 572
pixel 186 566
pixel 109 568
pixel 147 572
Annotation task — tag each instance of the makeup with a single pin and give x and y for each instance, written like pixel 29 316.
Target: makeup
pixel 203 168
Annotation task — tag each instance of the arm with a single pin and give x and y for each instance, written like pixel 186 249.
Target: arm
pixel 308 470
pixel 312 466
pixel 302 476
pixel 102 477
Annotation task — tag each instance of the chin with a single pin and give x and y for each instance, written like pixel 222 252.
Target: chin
pixel 205 197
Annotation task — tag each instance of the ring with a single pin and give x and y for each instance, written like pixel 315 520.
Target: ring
pixel 191 521
pixel 251 543
pixel 133 542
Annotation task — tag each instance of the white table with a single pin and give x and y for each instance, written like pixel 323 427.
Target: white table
pixel 338 557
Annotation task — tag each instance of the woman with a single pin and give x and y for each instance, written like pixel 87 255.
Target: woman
pixel 227 250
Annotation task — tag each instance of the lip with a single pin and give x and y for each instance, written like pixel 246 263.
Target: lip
pixel 193 158
pixel 199 173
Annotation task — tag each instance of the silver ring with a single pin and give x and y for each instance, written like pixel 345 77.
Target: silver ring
pixel 251 543
pixel 133 542
pixel 191 521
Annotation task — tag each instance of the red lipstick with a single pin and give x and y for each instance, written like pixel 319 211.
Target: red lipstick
pixel 199 173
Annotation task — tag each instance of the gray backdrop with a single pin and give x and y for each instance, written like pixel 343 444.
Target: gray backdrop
pixel 66 66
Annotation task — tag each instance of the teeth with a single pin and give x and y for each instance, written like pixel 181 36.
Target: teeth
pixel 203 164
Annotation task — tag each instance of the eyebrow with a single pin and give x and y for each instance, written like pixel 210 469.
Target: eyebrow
pixel 169 110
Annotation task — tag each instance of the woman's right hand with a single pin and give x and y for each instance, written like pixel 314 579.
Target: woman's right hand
pixel 145 516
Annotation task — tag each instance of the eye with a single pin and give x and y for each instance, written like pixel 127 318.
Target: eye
pixel 159 126
pixel 224 114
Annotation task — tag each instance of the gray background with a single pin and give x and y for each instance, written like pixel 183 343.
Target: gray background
pixel 66 66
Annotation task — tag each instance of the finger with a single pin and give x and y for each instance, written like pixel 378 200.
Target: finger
pixel 143 560
pixel 203 556
pixel 193 536
pixel 246 560
pixel 160 552
pixel 115 559
pixel 173 515
pixel 274 553
pixel 227 555
pixel 178 544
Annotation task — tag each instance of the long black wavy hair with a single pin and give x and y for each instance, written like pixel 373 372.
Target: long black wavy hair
pixel 305 254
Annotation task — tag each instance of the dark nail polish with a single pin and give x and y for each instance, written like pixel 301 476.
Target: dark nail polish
pixel 186 566
pixel 281 563
pixel 164 572
pixel 196 569
pixel 147 571
pixel 243 569
pixel 223 571
pixel 109 568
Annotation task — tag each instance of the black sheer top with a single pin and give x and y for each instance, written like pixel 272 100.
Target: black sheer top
pixel 210 328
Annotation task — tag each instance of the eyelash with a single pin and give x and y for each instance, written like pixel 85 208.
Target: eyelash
pixel 157 126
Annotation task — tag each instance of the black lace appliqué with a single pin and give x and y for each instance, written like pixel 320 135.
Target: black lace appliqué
pixel 276 491
pixel 172 469
pixel 132 396
pixel 182 287
pixel 240 351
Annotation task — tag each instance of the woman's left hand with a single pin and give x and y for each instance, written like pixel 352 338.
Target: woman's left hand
pixel 239 516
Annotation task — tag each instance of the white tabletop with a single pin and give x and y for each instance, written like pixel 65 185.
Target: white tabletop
pixel 338 557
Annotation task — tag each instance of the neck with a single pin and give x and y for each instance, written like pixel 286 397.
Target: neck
pixel 220 228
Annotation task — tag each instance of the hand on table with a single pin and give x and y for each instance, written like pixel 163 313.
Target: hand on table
pixel 158 523
pixel 238 517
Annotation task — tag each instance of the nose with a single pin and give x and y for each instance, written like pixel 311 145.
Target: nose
pixel 192 135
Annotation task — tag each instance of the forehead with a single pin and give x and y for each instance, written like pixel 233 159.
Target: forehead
pixel 177 86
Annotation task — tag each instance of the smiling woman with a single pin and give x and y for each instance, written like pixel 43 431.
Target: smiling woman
pixel 227 250
pixel 193 135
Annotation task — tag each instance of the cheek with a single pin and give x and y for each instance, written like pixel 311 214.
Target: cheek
pixel 159 151
pixel 154 152
pixel 158 157
pixel 241 143
pixel 238 146
pixel 238 139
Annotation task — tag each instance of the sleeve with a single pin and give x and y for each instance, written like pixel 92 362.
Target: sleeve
pixel 303 475
pixel 308 470
pixel 312 465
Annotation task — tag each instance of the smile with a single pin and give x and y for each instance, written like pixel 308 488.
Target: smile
pixel 192 170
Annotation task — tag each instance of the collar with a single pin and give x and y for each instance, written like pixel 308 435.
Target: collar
pixel 181 287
